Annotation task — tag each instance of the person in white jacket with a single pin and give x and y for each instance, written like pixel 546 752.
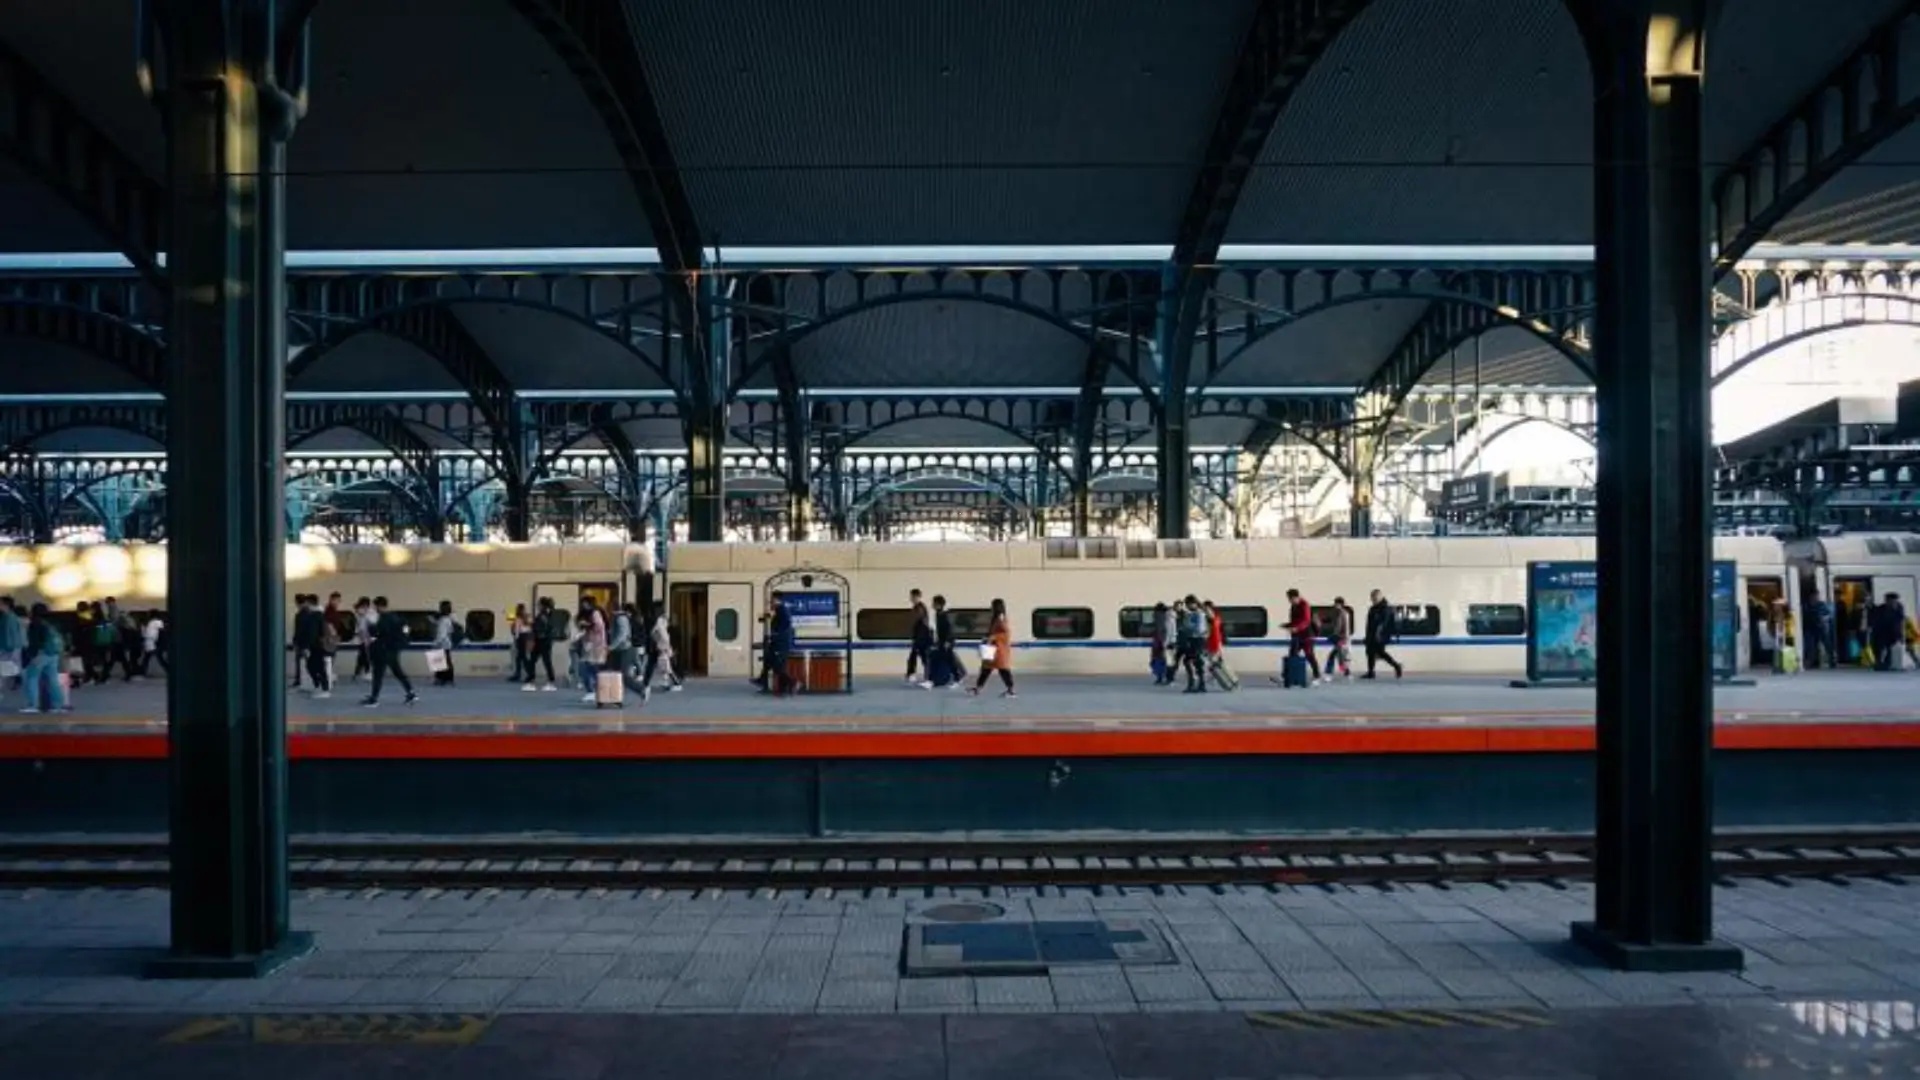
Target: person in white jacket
pixel 659 647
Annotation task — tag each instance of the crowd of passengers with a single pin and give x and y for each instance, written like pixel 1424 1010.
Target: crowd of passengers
pixel 1868 633
pixel 1188 638
pixel 47 654
pixel 626 639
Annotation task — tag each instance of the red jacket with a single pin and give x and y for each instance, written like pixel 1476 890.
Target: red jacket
pixel 1300 618
pixel 1216 634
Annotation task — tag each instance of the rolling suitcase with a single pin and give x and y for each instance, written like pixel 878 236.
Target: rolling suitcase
pixel 609 689
pixel 1222 674
pixel 1293 672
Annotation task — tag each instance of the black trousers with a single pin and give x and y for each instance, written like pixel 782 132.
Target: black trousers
pixel 384 662
pixel 317 669
pixel 542 654
pixel 1376 652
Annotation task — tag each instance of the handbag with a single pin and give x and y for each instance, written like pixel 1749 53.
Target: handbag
pixel 987 651
pixel 436 660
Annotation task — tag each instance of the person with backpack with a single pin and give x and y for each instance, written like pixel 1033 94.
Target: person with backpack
pixel 389 641
pixel 46 691
pixel 550 626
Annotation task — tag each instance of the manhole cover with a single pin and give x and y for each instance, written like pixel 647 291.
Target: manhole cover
pixel 963 912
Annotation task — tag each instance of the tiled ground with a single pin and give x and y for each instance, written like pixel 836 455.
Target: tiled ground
pixel 1282 949
pixel 1695 1042
pixel 884 703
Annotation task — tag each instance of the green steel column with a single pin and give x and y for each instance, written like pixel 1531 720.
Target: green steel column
pixel 227 121
pixel 1653 820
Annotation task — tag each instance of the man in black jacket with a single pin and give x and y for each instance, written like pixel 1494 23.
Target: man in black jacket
pixel 945 670
pixel 1382 628
pixel 920 653
pixel 389 640
pixel 309 630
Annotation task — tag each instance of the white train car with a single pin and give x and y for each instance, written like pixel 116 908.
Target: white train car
pixel 1082 606
pixel 483 582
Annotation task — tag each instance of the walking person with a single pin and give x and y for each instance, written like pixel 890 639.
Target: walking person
pixel 593 644
pixel 1889 621
pixel 1162 632
pixel 309 627
pixel 363 622
pixel 659 656
pixel 1382 628
pixel 780 642
pixel 1300 630
pixel 45 688
pixel 997 652
pixel 520 636
pixel 920 652
pixel 549 626
pixel 1193 644
pixel 1340 636
pixel 13 644
pixel 622 650
pixel 389 640
pixel 153 642
pixel 954 672
pixel 446 634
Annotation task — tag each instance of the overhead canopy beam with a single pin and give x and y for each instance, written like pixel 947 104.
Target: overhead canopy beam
pixel 1281 45
pixel 1804 150
pixel 133 351
pixel 45 133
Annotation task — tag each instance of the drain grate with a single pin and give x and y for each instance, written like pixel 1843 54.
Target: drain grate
pixel 1006 948
pixel 963 913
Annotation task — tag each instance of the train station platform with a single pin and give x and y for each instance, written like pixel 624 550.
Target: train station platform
pixel 1412 981
pixel 1052 715
pixel 1069 753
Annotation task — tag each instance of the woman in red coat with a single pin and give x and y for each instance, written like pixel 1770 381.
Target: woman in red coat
pixel 1000 641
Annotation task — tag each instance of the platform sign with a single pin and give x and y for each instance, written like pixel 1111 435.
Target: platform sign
pixel 1563 620
pixel 812 608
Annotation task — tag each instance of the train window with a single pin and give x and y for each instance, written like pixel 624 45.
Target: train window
pixel 1062 623
pixel 726 624
pixel 418 624
pixel 884 624
pixel 1882 545
pixel 1136 622
pixel 1496 620
pixel 896 624
pixel 971 624
pixel 1417 620
pixel 479 626
pixel 1238 623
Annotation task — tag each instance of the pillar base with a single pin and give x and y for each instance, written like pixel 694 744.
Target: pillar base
pixel 295 945
pixel 1662 957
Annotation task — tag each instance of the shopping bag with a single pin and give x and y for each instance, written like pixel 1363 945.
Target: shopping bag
pixel 987 652
pixel 9 668
pixel 436 660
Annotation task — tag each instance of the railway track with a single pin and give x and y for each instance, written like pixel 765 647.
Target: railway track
pixel 908 864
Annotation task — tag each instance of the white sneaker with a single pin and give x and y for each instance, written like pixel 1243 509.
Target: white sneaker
pixel 924 685
pixel 676 688
pixel 527 688
pixel 547 689
pixel 30 711
pixel 588 698
pixel 321 694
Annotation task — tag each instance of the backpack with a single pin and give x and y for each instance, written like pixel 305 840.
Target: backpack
pixel 105 633
pixel 329 636
pixel 459 634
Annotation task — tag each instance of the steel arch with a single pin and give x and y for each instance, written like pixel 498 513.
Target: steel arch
pixel 112 339
pixel 1910 305
pixel 753 368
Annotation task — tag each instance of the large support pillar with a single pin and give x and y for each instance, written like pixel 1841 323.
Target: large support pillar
pixel 706 483
pixel 1360 506
pixel 1653 869
pixel 1175 460
pixel 799 513
pixel 229 111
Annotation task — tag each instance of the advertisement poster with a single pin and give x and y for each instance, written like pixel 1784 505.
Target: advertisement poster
pixel 1564 621
pixel 813 608
pixel 1564 626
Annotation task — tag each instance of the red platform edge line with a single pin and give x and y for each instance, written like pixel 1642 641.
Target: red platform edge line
pixel 965 744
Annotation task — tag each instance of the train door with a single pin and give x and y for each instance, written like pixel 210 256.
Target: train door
pixel 1850 597
pixel 1762 594
pixel 714 627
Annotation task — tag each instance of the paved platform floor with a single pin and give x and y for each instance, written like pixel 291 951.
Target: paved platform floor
pixel 1045 702
pixel 1475 981
pixel 1700 1042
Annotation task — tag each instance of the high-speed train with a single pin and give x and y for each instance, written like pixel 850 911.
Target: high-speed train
pixel 1076 605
